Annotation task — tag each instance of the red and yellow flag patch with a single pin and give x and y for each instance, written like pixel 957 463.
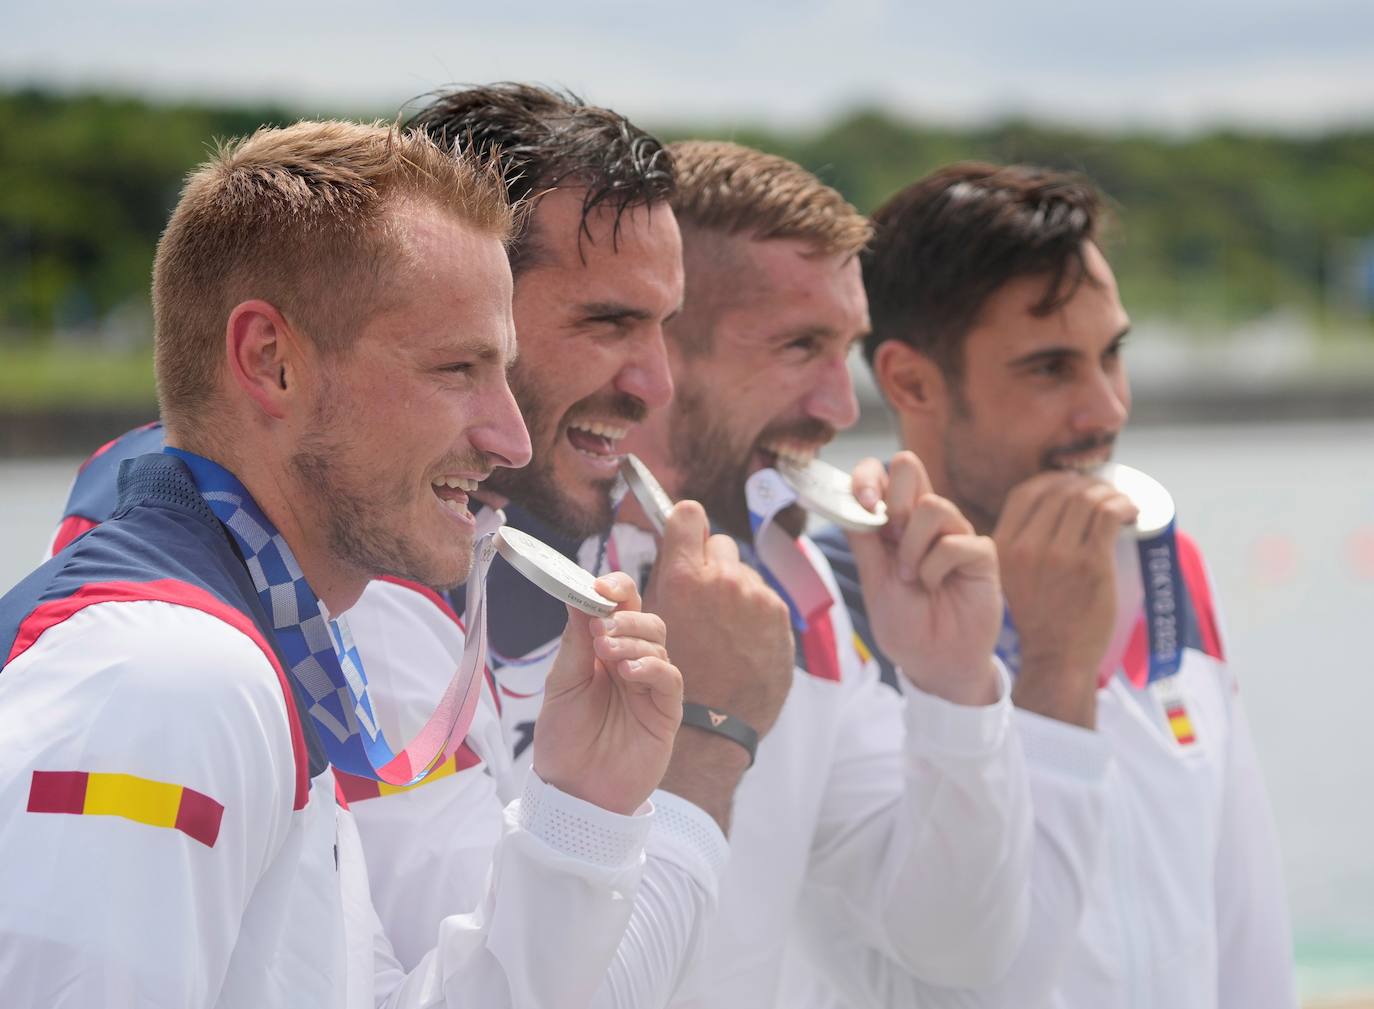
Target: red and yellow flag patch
pixel 156 803
pixel 1179 723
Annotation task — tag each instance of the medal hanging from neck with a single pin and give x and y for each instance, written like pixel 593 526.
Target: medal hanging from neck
pixel 791 573
pixel 320 651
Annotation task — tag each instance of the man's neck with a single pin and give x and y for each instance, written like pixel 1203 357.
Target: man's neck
pixel 336 585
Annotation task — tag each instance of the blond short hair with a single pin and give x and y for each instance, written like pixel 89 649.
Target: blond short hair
pixel 297 217
pixel 735 190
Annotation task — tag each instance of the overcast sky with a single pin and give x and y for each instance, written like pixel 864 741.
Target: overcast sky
pixel 1173 63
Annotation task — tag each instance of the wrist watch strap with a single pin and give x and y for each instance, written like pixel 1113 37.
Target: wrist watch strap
pixel 699 716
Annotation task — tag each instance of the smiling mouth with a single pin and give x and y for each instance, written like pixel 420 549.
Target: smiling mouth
pixel 596 439
pixel 1086 463
pixel 792 452
pixel 453 492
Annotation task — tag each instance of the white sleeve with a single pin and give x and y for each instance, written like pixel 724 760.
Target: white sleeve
pixel 429 851
pixel 564 878
pixel 659 958
pixel 924 837
pixel 429 848
pixel 1254 942
pixel 1068 770
pixel 134 893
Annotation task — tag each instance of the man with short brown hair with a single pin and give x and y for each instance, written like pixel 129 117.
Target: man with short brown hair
pixel 909 815
pixel 334 326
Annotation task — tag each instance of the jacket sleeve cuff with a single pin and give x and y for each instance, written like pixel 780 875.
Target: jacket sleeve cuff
pixel 961 730
pixel 579 829
pixel 686 834
pixel 1059 747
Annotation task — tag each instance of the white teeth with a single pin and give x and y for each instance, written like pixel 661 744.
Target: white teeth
pixel 457 483
pixel 796 454
pixel 602 430
pixel 453 506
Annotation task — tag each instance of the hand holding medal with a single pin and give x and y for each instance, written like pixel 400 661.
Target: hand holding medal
pixel 930 585
pixel 731 637
pixel 1057 542
pixel 612 701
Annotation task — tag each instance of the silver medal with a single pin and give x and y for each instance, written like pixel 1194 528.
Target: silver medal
pixel 552 572
pixel 647 491
pixel 1156 504
pixel 826 491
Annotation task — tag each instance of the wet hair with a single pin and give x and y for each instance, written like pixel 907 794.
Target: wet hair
pixel 944 245
pixel 545 139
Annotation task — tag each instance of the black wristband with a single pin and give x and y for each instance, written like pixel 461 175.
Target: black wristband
pixel 699 716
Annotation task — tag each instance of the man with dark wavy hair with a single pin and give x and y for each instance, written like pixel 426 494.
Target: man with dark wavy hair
pixel 997 340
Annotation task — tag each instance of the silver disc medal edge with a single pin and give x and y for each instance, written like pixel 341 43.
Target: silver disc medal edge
pixel 552 572
pixel 825 490
pixel 647 490
pixel 1153 499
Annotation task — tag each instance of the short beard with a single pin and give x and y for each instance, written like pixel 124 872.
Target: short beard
pixel 535 488
pixel 354 512
pixel 977 484
pixel 714 468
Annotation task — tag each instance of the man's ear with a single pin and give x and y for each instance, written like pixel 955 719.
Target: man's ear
pixel 263 352
pixel 911 381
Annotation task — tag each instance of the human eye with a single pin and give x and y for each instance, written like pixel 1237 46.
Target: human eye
pixel 1052 368
pixel 804 346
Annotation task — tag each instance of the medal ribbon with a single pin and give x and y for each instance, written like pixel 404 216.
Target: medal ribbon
pixel 785 564
pixel 320 651
pixel 1163 582
pixel 1162 614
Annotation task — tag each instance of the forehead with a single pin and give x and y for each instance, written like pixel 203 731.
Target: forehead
pixel 446 282
pixel 783 284
pixel 1092 317
pixel 639 244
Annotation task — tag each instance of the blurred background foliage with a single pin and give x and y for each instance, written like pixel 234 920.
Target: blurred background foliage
pixel 1213 230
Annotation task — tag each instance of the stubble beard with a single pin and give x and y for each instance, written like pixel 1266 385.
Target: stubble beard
pixel 981 479
pixel 358 513
pixel 535 487
pixel 714 467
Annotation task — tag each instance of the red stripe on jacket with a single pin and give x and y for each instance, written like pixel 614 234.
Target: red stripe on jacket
pixel 168 590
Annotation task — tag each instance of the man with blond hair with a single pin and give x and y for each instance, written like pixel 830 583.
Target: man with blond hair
pixel 333 329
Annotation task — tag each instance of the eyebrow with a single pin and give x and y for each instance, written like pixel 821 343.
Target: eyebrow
pixel 613 311
pixel 1051 353
pixel 483 352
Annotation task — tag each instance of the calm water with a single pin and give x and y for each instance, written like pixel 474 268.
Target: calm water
pixel 1285 514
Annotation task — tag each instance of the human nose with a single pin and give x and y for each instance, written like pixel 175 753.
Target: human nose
pixel 646 376
pixel 503 438
pixel 832 399
pixel 1106 403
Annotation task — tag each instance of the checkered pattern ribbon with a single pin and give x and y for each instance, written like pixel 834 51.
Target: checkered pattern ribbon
pixel 320 651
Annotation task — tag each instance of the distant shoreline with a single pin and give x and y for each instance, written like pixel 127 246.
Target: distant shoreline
pixel 28 432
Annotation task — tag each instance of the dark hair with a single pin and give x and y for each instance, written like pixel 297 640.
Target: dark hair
pixel 544 138
pixel 945 244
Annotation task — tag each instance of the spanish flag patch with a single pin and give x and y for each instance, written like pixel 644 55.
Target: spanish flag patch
pixel 1179 723
pixel 156 803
